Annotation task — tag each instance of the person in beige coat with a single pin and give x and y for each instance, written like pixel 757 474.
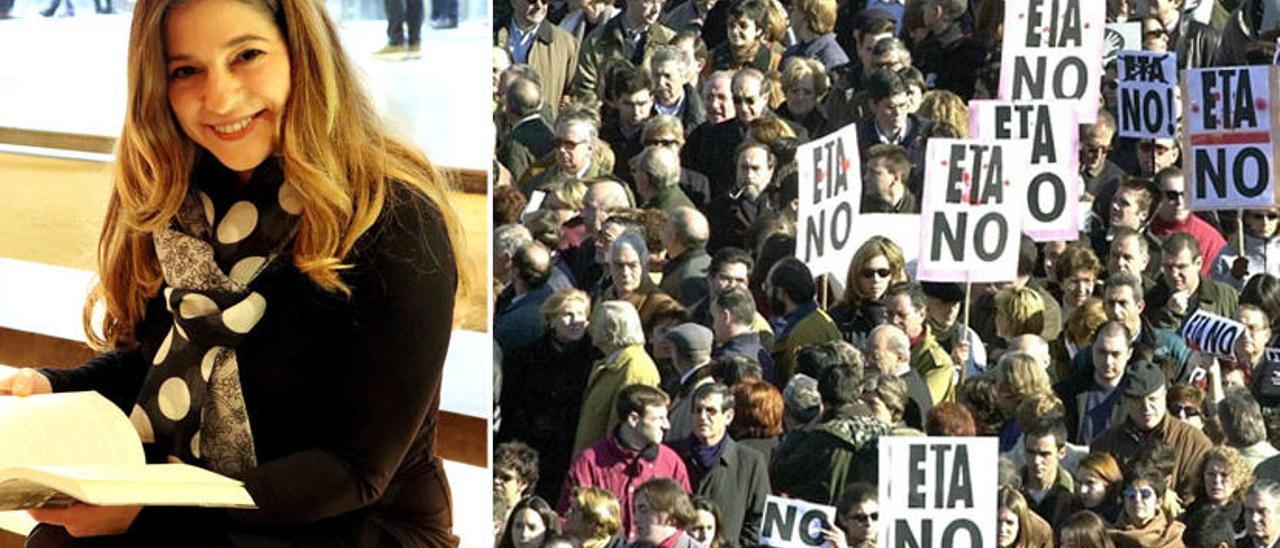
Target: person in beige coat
pixel 547 48
pixel 615 330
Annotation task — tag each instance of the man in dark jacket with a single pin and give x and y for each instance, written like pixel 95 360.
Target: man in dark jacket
pixel 1046 484
pixel 531 137
pixel 685 239
pixel 950 56
pixel 732 312
pixel 1090 395
pixel 736 477
pixel 1182 289
pixel 1195 43
pixel 890 123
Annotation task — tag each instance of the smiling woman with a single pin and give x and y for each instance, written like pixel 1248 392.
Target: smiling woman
pixel 278 278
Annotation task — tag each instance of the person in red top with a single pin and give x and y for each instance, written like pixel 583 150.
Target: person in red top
pixel 632 455
pixel 1173 214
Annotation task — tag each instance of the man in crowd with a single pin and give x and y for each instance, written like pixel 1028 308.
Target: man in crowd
pixel 575 144
pixel 630 94
pixel 950 56
pixel 1182 288
pixel 685 239
pixel 531 137
pixel 905 307
pixel 521 322
pixel 656 172
pixel 673 95
pixel 662 514
pixel 634 36
pixel 790 291
pixel 1046 484
pixel 630 455
pixel 889 351
pixel 733 312
pixel 891 123
pixel 1090 396
pixel 547 48
pixel 734 476
pixel 1174 215
pixel 690 345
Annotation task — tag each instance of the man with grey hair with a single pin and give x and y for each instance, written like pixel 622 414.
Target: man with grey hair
pixel 1036 347
pixel 1261 514
pixel 574 148
pixel 889 351
pixel 531 137
pixel 507 239
pixel 656 171
pixel 685 239
pixel 520 322
pixel 586 260
pixel 949 56
pixel 615 329
pixel 1242 423
pixel 629 273
pixel 717 97
pixel 673 95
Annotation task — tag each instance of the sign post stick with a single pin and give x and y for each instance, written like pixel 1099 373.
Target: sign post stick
pixel 1240 232
pixel 822 287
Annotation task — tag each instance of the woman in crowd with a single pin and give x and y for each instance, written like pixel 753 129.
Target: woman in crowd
pixel 1224 478
pixel 1019 376
pixel 1017 526
pixel 277 276
pixel 1098 481
pixel 805 84
pixel 707 526
pixel 515 472
pixel 1186 402
pixel 531 521
pixel 886 397
pixel 594 518
pixel 1077 270
pixel 616 331
pixel 1077 335
pixel 1143 524
pixel 543 385
pixel 757 416
pixel 1084 529
pixel 876 265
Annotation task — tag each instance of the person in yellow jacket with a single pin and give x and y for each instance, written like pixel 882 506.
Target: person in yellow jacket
pixel 615 330
pixel 798 321
pixel 905 304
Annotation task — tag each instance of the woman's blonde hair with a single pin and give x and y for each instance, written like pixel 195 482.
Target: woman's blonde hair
pixel 600 511
pixel 1084 321
pixel 876 246
pixel 1022 310
pixel 797 68
pixel 1241 471
pixel 335 151
pixel 1020 376
pixel 944 106
pixel 556 304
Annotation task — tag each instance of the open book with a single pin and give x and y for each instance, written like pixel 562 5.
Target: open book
pixel 59 449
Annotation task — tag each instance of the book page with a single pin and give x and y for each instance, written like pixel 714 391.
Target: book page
pixel 17 521
pixel 73 428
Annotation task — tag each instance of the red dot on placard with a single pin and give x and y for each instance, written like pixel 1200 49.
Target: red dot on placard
pixel 1086 24
pixel 1006 182
pixel 1195 107
pixel 845 164
pixel 944 162
pixel 1216 94
pixel 1022 16
pixel 966 176
pixel 820 175
pixel 1260 104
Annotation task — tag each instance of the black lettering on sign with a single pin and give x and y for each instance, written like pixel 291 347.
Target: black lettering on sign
pixel 1146 69
pixel 1250 175
pixel 939 470
pixel 1031 122
pixel 961 489
pixel 817 230
pixel 1228 100
pixel 955 236
pixel 1147 110
pixel 904 537
pixel 915 475
pixel 1056 204
pixel 776 525
pixel 809 534
pixel 830 171
pixel 1033 80
pixel 969 527
pixel 1064 25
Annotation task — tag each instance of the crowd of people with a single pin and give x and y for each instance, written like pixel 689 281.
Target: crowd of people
pixel 664 362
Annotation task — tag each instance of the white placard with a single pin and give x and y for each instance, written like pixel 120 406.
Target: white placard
pixel 1052 50
pixel 1230 137
pixel 971 210
pixel 1053 187
pixel 794 523
pixel 938 492
pixel 830 197
pixel 1145 101
pixel 1212 334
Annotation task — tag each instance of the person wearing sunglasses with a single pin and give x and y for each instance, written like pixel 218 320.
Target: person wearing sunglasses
pixel 1154 36
pixel 1173 214
pixel 858 516
pixel 1143 523
pixel 876 265
pixel 1146 422
pixel 1195 43
pixel 1261 249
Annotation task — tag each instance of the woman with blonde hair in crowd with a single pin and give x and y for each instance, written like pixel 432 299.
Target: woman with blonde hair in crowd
pixel 1017 526
pixel 1018 311
pixel 878 264
pixel 276 285
pixel 594 518
pixel 805 84
pixel 941 105
pixel 1019 376
pixel 1224 476
pixel 1077 335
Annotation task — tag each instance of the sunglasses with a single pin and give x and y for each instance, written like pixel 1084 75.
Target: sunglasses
pixel 1157 33
pixel 1173 194
pixel 865 518
pixel 1265 216
pixel 1145 493
pixel 1185 411
pixel 662 143
pixel 1091 150
pixel 876 272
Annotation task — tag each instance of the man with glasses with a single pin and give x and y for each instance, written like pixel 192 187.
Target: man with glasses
pixel 1182 289
pixel 1147 422
pixel 534 41
pixel 858 515
pixel 634 36
pixel 573 152
pixel 905 307
pixel 891 123
pixel 1100 175
pixel 735 477
pixel 1174 215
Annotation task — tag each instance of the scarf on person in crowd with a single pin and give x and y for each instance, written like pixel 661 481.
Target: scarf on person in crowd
pixel 191 405
pixel 707 455
pixel 1157 533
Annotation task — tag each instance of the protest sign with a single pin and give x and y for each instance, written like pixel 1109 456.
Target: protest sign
pixel 1211 333
pixel 971 210
pixel 938 492
pixel 1120 36
pixel 1052 50
pixel 1146 105
pixel 1230 137
pixel 902 229
pixel 830 197
pixel 1053 187
pixel 794 523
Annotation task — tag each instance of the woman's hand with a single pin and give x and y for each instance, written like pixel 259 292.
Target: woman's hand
pixel 834 536
pixel 23 382
pixel 83 520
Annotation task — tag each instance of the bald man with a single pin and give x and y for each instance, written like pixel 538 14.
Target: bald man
pixel 685 239
pixel 602 198
pixel 531 137
pixel 520 323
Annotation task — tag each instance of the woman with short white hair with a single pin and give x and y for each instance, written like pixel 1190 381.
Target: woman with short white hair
pixel 628 270
pixel 616 330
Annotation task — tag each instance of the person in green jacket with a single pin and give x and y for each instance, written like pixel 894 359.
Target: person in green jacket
pixel 905 307
pixel 797 319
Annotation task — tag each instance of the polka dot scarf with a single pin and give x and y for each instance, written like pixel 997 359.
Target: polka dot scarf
pixel 191 406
